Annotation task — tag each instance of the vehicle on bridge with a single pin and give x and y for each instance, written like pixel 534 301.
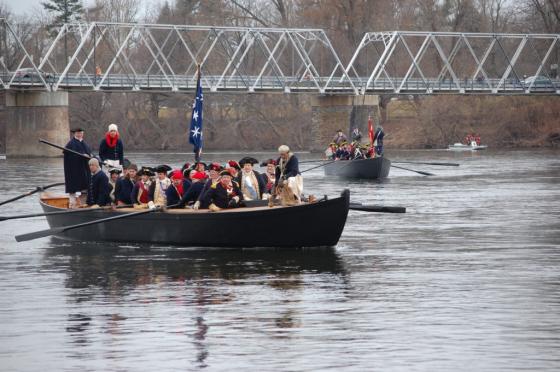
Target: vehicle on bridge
pixel 29 73
pixel 538 81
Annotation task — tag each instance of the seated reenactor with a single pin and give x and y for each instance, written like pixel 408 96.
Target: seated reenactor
pixel 125 185
pixel 250 181
pixel 99 188
pixel 113 179
pixel 194 191
pixel 175 191
pixel 224 194
pixel 141 191
pixel 213 177
pixel 160 185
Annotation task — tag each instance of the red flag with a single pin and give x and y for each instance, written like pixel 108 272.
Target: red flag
pixel 370 130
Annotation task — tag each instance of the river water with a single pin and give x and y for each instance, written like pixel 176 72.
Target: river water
pixel 467 280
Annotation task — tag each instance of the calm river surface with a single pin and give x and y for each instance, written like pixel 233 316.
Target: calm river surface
pixel 467 280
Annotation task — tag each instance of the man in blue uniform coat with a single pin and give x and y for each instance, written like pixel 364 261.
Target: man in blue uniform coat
pixel 192 194
pixel 224 194
pixel 125 185
pixel 99 188
pixel 76 170
pixel 287 165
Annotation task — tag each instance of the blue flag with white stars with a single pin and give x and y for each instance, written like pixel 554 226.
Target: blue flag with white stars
pixel 195 132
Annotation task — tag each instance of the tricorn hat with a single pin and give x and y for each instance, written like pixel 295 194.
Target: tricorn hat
pixel 225 173
pixel 267 162
pixel 195 165
pixel 148 171
pixel 77 129
pixel 115 170
pixel 162 168
pixel 248 160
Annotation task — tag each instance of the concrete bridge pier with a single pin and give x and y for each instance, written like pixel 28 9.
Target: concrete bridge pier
pixel 29 116
pixel 330 113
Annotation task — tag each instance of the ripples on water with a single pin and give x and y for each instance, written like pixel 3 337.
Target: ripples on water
pixel 468 279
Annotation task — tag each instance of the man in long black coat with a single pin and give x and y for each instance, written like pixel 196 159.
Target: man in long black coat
pixel 76 169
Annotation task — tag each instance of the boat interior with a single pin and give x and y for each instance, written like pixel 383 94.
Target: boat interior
pixel 62 201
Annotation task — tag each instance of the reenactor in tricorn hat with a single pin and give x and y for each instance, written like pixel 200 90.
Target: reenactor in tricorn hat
pixel 268 176
pixel 160 185
pixel 224 194
pixel 76 169
pixel 250 181
pixel 214 175
pixel 141 191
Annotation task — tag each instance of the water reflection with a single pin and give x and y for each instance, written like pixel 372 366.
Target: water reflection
pixel 116 268
pixel 101 278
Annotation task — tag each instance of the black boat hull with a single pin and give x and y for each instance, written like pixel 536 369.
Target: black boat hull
pixel 307 225
pixel 373 168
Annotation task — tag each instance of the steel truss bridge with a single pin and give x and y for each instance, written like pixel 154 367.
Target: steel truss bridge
pixel 125 57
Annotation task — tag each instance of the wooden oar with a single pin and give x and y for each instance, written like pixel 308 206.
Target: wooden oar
pixel 79 210
pixel 58 230
pixel 313 161
pixel 412 170
pixel 37 189
pixel 376 208
pixel 319 166
pixel 419 162
pixel 85 156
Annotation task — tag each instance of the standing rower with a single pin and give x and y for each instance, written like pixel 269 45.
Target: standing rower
pixel 76 169
pixel 287 172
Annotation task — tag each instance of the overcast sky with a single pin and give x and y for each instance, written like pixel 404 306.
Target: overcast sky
pixel 27 6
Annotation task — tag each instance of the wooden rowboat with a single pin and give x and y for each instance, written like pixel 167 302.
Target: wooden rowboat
pixel 372 168
pixel 317 224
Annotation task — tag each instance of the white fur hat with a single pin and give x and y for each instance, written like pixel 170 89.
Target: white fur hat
pixel 113 127
pixel 283 148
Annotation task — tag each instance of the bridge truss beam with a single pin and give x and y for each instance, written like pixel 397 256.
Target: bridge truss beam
pixel 133 57
pixel 402 62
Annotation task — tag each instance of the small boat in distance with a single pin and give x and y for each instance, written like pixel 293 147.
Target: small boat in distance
pixel 472 146
pixel 372 168
pixel 302 225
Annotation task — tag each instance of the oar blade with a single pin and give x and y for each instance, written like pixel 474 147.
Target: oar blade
pixel 376 208
pixel 38 234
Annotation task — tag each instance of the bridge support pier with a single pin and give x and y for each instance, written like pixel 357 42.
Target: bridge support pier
pixel 32 115
pixel 330 113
